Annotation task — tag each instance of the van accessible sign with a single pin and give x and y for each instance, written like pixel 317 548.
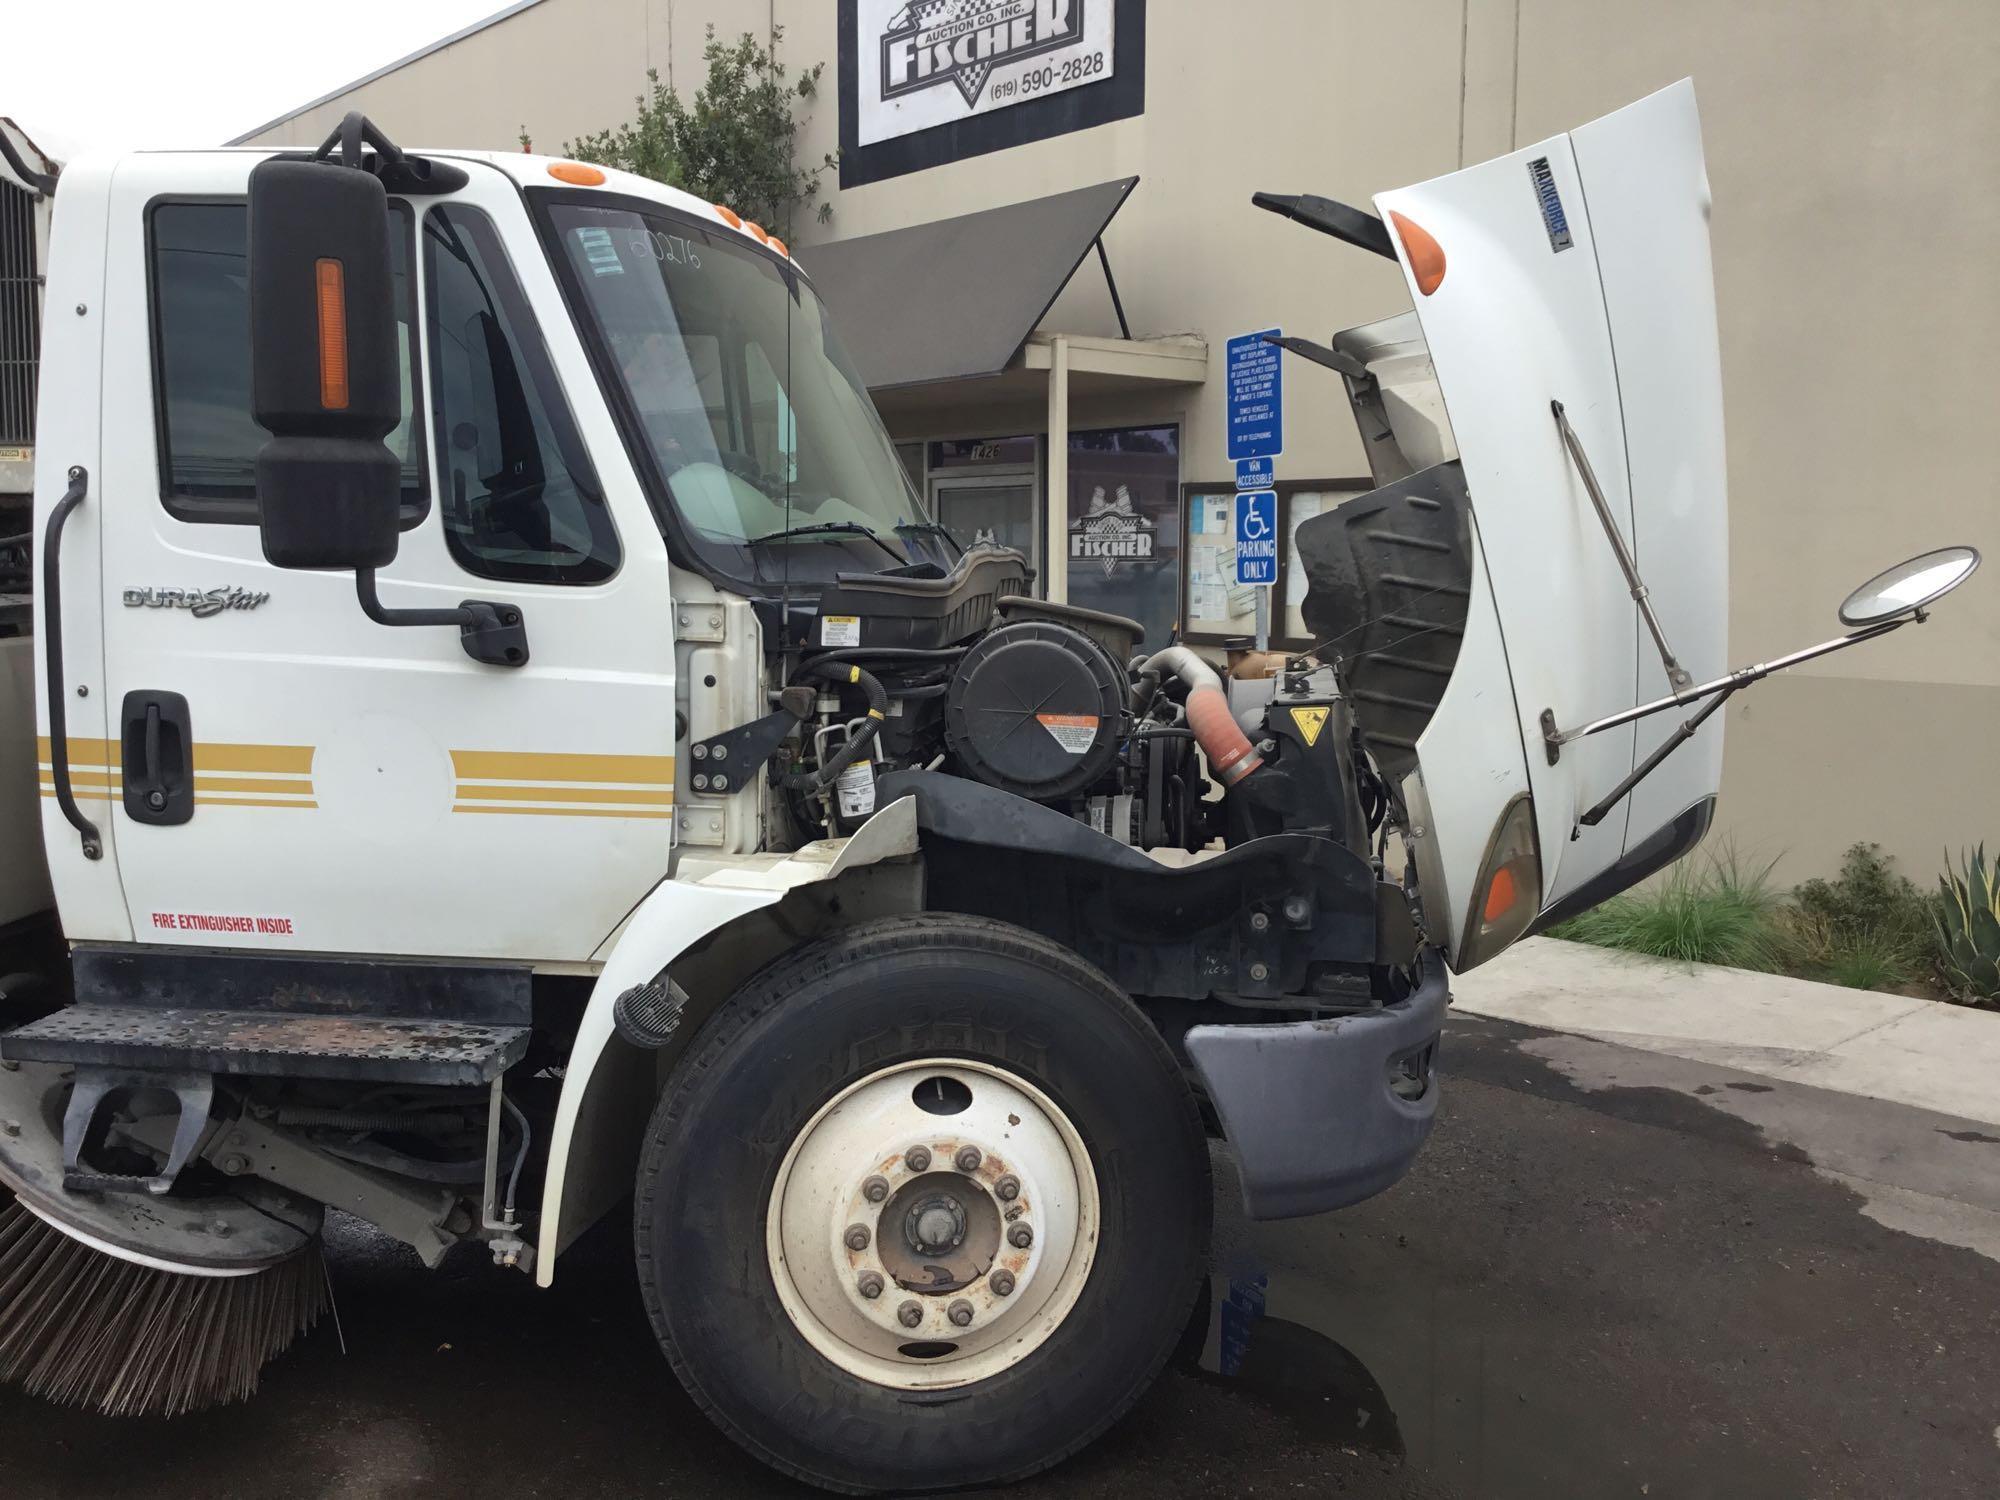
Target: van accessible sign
pixel 922 63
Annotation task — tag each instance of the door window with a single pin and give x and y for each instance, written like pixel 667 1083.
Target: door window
pixel 208 439
pixel 520 498
pixel 1124 524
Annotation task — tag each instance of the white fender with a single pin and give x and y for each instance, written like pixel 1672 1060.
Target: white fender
pixel 701 897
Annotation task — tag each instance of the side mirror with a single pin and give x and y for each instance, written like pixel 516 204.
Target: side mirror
pixel 1909 586
pixel 323 365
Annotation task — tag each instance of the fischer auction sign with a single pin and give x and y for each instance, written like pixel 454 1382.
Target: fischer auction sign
pixel 922 63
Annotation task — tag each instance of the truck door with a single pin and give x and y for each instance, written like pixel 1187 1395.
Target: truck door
pixel 294 775
pixel 1577 271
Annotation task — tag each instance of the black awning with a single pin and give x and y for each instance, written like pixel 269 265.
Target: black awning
pixel 955 299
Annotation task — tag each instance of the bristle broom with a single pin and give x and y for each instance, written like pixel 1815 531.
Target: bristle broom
pixel 84 1328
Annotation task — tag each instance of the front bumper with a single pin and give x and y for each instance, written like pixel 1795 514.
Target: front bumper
pixel 1312 1108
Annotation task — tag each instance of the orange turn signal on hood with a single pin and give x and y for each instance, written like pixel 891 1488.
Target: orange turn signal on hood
pixel 578 173
pixel 1425 254
pixel 330 281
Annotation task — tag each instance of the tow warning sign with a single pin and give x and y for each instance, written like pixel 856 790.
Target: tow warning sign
pixel 1310 721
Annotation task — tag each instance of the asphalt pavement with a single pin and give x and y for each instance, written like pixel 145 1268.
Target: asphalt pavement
pixel 1611 1274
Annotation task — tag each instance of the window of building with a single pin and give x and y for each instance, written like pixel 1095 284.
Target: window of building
pixel 520 498
pixel 1125 525
pixel 208 440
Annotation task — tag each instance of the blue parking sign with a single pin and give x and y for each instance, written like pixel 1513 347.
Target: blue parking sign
pixel 1257 537
pixel 1256 393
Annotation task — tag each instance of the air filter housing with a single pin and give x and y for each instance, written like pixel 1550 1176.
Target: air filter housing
pixel 1035 709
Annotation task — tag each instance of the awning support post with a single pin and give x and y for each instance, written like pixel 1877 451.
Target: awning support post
pixel 1124 328
pixel 1055 549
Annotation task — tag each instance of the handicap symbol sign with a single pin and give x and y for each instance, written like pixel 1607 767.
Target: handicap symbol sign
pixel 1257 537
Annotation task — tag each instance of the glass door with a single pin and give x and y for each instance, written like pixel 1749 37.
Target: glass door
pixel 993 508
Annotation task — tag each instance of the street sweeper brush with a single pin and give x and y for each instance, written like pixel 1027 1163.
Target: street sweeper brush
pixel 85 1326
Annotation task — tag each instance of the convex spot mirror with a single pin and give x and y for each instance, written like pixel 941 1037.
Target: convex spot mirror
pixel 323 365
pixel 1909 586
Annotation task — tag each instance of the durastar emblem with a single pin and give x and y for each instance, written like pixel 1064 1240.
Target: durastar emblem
pixel 201 603
pixel 928 42
pixel 1111 532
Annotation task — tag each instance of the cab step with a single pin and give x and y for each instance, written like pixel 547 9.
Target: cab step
pixel 270 1044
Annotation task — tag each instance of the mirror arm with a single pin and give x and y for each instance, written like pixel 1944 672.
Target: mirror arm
pixel 1554 739
pixel 491 633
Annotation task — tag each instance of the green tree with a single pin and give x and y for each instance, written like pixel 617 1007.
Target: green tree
pixel 735 143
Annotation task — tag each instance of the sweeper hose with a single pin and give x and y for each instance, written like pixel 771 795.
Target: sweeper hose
pixel 84 1326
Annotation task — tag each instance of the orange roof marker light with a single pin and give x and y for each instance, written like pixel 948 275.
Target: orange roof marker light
pixel 728 215
pixel 577 173
pixel 778 245
pixel 1425 253
pixel 756 231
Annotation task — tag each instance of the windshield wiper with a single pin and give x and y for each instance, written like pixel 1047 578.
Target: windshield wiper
pixel 827 528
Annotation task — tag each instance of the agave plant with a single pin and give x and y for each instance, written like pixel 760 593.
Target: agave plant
pixel 1968 926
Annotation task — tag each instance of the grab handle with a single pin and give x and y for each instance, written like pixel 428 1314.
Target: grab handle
pixel 79 483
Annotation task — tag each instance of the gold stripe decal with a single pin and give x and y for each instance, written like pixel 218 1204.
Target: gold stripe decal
pixel 576 786
pixel 526 765
pixel 285 779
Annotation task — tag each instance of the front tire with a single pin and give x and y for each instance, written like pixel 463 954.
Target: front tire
pixel 789 1222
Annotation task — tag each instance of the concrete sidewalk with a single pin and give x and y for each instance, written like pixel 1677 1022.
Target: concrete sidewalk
pixel 1934 1056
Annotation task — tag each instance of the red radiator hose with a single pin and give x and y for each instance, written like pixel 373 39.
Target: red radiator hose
pixel 1230 754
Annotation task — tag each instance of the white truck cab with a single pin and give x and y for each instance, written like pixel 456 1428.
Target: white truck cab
pixel 510 738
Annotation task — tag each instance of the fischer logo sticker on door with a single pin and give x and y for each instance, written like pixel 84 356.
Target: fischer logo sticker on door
pixel 992 53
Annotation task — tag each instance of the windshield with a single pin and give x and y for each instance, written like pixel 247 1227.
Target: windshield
pixel 772 454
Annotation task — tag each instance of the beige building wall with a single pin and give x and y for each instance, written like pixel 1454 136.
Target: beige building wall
pixel 1850 148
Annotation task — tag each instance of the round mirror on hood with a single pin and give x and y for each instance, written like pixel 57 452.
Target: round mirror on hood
pixel 1909 586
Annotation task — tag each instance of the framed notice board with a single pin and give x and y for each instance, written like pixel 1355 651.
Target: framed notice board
pixel 1214 609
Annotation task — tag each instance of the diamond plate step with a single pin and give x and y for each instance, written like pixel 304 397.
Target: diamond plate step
pixel 271 1044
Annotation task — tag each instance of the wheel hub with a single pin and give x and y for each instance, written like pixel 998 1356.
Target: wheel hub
pixel 984 1219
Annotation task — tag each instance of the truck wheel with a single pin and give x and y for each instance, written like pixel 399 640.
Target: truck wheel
pixel 926 1205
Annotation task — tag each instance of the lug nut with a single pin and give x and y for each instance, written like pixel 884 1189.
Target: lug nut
pixel 910 1314
pixel 1020 1236
pixel 1002 1282
pixel 875 1189
pixel 869 1284
pixel 1260 921
pixel 1259 972
pixel 960 1313
pixel 968 1159
pixel 857 1236
pixel 918 1158
pixel 1008 1188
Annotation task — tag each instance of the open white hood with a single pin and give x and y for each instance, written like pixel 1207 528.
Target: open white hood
pixel 1575 271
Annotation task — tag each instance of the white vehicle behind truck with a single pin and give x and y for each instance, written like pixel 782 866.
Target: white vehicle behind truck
pixel 510 740
pixel 27 183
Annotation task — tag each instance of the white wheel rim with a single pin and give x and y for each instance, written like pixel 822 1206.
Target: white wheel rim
pixel 868 1131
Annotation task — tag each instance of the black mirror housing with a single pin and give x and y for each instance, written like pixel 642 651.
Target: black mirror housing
pixel 324 373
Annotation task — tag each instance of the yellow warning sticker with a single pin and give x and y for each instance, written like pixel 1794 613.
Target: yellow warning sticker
pixel 1310 721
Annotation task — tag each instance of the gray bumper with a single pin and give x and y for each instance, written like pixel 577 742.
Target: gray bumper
pixel 1309 1106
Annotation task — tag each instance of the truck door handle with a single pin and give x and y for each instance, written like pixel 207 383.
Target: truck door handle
pixel 79 485
pixel 157 749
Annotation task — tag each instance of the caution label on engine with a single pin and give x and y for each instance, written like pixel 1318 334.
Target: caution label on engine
pixel 840 630
pixel 1310 721
pixel 1076 733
